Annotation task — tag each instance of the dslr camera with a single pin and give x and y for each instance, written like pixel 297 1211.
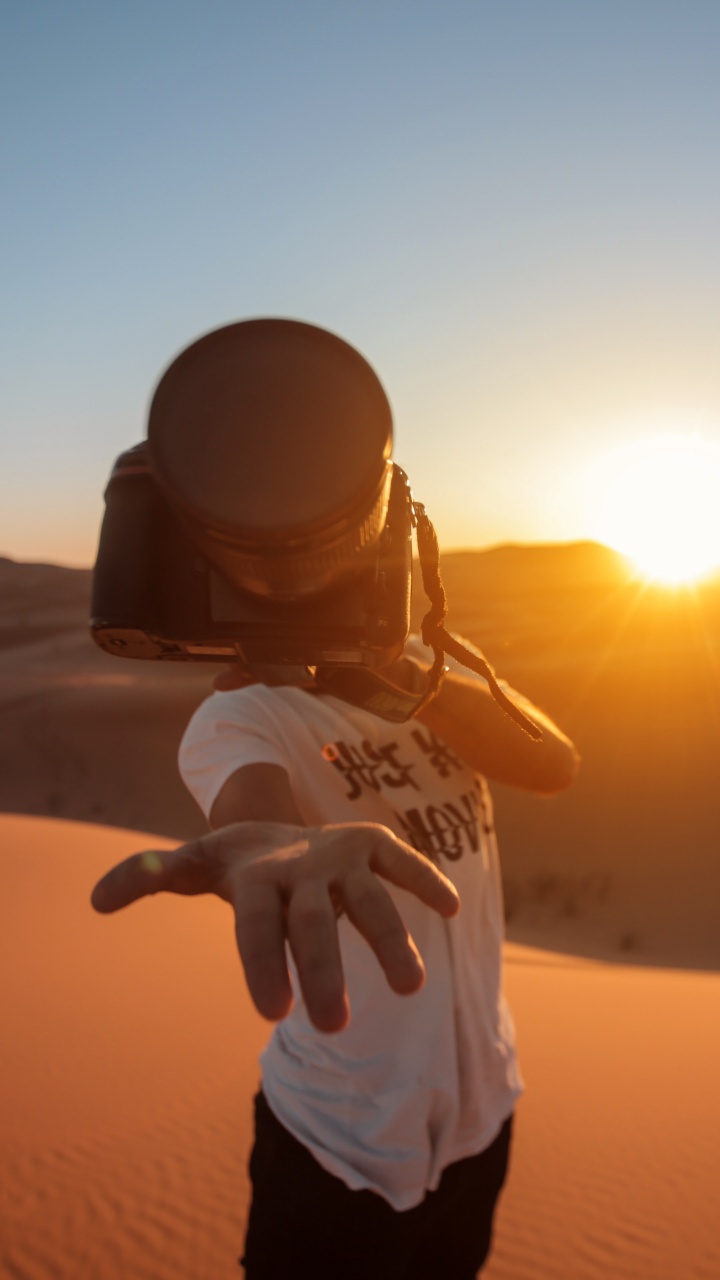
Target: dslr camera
pixel 263 519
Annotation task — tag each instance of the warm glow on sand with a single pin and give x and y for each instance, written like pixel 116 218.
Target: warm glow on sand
pixel 660 505
pixel 129 1058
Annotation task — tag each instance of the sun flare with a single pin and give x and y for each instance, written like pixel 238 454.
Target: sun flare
pixel 660 506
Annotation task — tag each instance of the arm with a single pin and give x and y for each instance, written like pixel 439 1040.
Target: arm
pixel 467 717
pixel 256 793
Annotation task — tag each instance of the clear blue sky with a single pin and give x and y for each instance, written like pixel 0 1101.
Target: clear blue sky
pixel 510 207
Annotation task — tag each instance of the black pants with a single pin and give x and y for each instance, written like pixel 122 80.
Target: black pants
pixel 306 1224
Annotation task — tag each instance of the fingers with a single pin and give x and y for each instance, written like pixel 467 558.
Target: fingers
pixel 407 869
pixel 374 914
pixel 260 933
pixel 260 867
pixel 185 870
pixel 313 937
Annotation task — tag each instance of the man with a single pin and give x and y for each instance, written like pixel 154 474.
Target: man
pixel 383 1124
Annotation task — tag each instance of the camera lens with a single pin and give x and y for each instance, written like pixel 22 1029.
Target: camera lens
pixel 272 439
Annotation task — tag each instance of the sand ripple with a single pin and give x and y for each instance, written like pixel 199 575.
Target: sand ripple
pixel 129 1065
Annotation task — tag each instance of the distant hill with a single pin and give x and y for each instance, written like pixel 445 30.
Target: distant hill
pixel 627 863
pixel 41 600
pixel 566 565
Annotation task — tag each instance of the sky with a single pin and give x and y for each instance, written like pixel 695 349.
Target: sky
pixel 510 207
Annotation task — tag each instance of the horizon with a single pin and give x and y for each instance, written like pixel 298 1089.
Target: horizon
pixel 632 573
pixel 444 551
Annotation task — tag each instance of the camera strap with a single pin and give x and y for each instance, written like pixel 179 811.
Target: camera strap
pixel 363 687
pixel 437 638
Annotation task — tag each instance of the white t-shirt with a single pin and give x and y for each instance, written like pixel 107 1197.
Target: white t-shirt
pixel 416 1082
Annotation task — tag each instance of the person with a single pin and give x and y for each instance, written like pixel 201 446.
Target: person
pixel 360 859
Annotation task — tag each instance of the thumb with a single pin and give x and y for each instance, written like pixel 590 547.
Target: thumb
pixel 185 870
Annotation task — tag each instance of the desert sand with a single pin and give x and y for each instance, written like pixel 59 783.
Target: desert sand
pixel 130 1045
pixel 129 1065
pixel 624 866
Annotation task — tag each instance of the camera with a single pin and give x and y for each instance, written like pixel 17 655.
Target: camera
pixel 262 520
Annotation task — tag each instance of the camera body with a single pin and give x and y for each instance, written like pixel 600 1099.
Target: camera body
pixel 156 594
pixel 264 522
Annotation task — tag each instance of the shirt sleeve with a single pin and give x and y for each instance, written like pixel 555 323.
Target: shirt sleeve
pixel 228 730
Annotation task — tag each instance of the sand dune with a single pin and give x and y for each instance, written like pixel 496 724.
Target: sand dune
pixel 129 1063
pixel 623 866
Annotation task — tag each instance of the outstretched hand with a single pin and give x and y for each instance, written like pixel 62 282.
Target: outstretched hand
pixel 291 883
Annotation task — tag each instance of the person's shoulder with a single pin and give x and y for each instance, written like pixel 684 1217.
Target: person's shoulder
pixel 234 705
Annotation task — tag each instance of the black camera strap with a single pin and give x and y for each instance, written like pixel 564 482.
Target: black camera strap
pixel 363 687
pixel 437 638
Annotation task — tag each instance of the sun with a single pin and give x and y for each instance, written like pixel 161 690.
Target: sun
pixel 659 504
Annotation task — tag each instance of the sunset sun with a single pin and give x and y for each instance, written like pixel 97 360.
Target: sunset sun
pixel 659 504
